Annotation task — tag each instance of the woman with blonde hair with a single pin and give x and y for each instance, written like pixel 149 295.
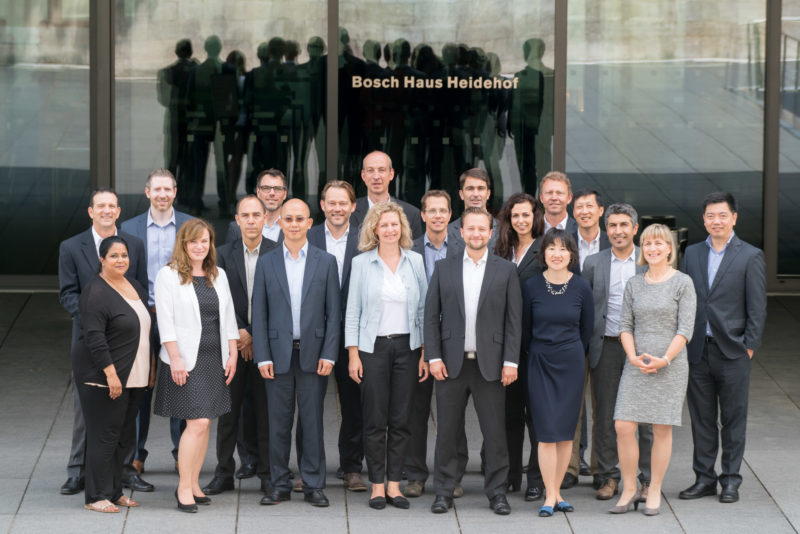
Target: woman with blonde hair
pixel 198 331
pixel 383 334
pixel 657 321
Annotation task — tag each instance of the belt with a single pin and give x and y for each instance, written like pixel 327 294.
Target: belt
pixel 470 355
pixel 391 336
pixel 610 338
pixel 153 309
pixel 296 344
pixel 710 340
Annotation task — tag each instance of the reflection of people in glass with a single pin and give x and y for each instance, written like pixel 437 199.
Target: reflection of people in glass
pixel 312 84
pixel 171 89
pixel 493 134
pixel 374 100
pixel 350 109
pixel 526 111
pixel 235 130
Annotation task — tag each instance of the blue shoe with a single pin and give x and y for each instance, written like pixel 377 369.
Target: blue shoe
pixel 545 511
pixel 563 506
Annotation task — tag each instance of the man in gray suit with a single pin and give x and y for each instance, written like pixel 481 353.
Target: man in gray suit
pixel 730 281
pixel 607 273
pixel 473 315
pixel 296 316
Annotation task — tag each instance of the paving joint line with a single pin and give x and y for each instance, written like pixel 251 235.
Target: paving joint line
pixel 772 498
pixel 14 321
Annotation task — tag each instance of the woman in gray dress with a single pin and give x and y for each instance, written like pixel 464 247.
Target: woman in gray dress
pixel 657 321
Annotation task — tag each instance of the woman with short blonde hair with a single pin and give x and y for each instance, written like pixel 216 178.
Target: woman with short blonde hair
pixel 368 238
pixel 662 232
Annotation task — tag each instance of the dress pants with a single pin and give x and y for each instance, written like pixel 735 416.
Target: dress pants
pixel 351 435
pixel 77 450
pixel 228 424
pixel 110 432
pixel 451 402
pixel 390 372
pixel 605 383
pixel 718 381
pixel 307 389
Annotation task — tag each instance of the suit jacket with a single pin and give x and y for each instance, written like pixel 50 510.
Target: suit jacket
pixel 736 304
pixel 316 237
pixel 78 264
pixel 364 301
pixel 138 226
pixel 597 271
pixel 320 311
pixel 230 257
pixel 235 233
pixel 454 248
pixel 530 266
pixel 499 321
pixel 604 244
pixel 412 214
pixel 178 315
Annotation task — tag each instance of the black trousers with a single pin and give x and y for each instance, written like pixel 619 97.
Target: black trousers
pixel 351 434
pixel 228 425
pixel 390 372
pixel 718 381
pixel 451 402
pixel 110 433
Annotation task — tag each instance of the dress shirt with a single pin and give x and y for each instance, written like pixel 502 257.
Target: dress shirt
pixel 714 261
pixel 250 261
pixel 272 232
pixel 561 225
pixel 394 303
pixel 587 248
pixel 433 254
pixel 517 258
pixel 98 240
pixel 621 272
pixel 160 244
pixel 295 269
pixel 337 247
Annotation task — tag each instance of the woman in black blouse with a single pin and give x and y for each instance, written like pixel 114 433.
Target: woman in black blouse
pixel 111 364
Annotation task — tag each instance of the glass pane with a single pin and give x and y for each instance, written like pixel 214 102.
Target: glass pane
pixel 789 184
pixel 217 91
pixel 445 86
pixel 44 132
pixel 664 106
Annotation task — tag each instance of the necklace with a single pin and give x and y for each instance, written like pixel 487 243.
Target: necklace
pixel 552 291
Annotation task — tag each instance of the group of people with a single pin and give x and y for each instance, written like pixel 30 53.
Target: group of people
pixel 524 312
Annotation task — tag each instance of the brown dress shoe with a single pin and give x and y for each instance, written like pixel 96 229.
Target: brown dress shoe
pixel 609 488
pixel 354 482
pixel 139 466
pixel 458 491
pixel 414 488
pixel 643 491
pixel 298 485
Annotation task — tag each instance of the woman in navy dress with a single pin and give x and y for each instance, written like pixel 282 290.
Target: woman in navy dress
pixel 558 315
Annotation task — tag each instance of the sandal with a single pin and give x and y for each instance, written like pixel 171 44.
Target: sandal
pixel 126 501
pixel 104 507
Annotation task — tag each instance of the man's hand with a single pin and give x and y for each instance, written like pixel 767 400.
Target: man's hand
pixel 509 375
pixel 324 368
pixel 267 371
pixel 438 370
pixel 245 344
pixel 750 353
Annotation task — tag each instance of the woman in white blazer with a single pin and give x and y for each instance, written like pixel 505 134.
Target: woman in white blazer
pixel 198 330
pixel 383 335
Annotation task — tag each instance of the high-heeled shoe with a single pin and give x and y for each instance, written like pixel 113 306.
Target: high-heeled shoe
pixel 625 508
pixel 651 511
pixel 188 508
pixel 204 500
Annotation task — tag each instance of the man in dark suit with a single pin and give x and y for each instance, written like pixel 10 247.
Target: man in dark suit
pixel 78 263
pixel 377 173
pixel 157 228
pixel 338 237
pixel 555 194
pixel 607 273
pixel 239 259
pixel 730 282
pixel 296 340
pixel 271 188
pixel 473 319
pixel 474 188
pixel 434 245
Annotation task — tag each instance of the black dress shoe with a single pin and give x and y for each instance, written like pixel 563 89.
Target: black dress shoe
pixel 276 496
pixel 72 486
pixel 511 487
pixel 188 508
pixel 533 493
pixel 729 494
pixel 583 469
pixel 205 501
pixel 340 473
pixel 317 498
pixel 265 487
pixel 697 490
pixel 246 471
pixel 398 502
pixel 499 505
pixel 218 485
pixel 136 483
pixel 441 504
pixel 377 503
pixel 569 481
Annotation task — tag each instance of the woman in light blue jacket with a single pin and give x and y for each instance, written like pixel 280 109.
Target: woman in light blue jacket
pixel 383 334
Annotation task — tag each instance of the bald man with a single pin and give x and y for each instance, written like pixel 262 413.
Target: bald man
pixel 296 297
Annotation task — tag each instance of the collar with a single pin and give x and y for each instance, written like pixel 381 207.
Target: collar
pixel 481 261
pixel 708 243
pixel 329 234
pixel 273 224
pixel 97 238
pixel 303 252
pixel 632 257
pixel 256 250
pixel 426 241
pixel 562 224
pixel 371 203
pixel 582 240
pixel 151 221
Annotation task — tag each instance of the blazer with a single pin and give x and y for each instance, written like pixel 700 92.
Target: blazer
pixel 604 244
pixel 364 301
pixel 316 237
pixel 230 257
pixel 110 333
pixel 597 271
pixel 78 264
pixel 235 233
pixel 454 248
pixel 499 321
pixel 178 315
pixel 138 226
pixel 530 266
pixel 736 304
pixel 320 311
pixel 412 214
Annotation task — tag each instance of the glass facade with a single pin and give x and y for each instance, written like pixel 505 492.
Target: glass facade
pixel 789 184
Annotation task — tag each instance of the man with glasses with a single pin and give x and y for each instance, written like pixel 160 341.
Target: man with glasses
pixel 271 189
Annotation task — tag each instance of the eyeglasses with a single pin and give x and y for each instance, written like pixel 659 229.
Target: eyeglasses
pixel 268 188
pixel 437 211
